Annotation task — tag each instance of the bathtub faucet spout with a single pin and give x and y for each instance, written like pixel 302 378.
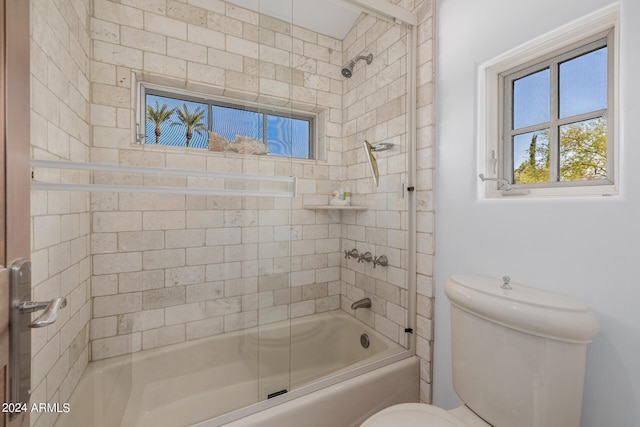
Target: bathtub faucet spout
pixel 363 303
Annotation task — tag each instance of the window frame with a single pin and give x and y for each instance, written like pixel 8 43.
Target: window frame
pixel 552 62
pixel 490 124
pixel 146 88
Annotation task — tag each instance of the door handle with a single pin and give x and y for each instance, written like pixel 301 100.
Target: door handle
pixel 50 314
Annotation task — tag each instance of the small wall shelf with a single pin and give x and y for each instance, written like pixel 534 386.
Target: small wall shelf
pixel 336 208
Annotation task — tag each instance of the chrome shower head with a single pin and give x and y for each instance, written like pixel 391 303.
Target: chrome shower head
pixel 347 70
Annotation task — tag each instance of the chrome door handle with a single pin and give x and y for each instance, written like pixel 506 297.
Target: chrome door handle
pixel 50 314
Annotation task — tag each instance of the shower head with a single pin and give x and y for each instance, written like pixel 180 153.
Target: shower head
pixel 347 70
pixel 373 164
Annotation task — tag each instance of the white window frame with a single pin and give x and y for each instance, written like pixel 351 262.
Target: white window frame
pixel 493 157
pixel 316 148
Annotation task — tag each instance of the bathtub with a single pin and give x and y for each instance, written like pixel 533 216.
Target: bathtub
pixel 269 375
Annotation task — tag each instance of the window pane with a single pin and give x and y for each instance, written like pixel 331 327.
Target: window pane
pixel 288 137
pixel 583 83
pixel 531 99
pixel 229 122
pixel 531 157
pixel 583 150
pixel 166 118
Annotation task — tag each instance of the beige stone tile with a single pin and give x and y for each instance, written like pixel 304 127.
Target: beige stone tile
pixel 111 305
pixel 140 240
pixel 205 291
pixel 140 321
pixel 184 275
pixel 165 297
pixel 185 313
pixel 116 263
pixel 116 346
pixel 140 281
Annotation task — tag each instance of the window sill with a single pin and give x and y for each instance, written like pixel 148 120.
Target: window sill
pixel 221 154
pixel 549 193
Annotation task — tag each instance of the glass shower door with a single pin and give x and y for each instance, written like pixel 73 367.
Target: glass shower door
pixel 274 38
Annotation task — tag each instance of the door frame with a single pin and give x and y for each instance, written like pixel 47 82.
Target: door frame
pixel 15 204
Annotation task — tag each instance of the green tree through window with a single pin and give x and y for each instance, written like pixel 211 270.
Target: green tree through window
pixel 583 154
pixel 157 116
pixel 194 122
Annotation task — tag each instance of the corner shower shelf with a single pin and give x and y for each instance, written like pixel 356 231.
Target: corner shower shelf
pixel 336 208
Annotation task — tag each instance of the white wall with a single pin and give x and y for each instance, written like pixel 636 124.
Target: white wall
pixel 582 247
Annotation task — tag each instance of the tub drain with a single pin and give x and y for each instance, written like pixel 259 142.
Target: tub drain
pixel 364 340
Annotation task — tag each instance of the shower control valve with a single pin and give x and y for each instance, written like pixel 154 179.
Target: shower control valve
pixel 353 253
pixel 365 257
pixel 382 260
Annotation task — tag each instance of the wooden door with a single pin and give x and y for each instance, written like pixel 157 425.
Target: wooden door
pixel 15 175
pixel 4 282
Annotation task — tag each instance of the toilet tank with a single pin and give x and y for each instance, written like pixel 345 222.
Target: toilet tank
pixel 518 356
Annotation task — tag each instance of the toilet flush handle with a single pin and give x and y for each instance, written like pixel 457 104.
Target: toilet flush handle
pixel 505 283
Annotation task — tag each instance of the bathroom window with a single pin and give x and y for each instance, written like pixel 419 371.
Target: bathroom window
pixel 182 120
pixel 554 131
pixel 555 119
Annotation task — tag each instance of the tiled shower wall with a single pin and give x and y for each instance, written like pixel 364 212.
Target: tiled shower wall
pixel 181 267
pixel 375 109
pixel 60 221
pixel 173 268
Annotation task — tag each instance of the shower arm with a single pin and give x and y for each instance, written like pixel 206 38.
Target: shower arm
pixel 383 146
pixel 367 58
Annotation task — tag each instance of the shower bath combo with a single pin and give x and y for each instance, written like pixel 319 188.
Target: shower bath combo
pixel 174 317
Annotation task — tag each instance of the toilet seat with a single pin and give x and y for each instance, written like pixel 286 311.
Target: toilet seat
pixel 413 415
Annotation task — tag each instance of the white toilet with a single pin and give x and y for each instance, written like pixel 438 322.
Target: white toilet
pixel 518 359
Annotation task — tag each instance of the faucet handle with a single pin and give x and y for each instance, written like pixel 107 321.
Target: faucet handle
pixel 381 260
pixel 353 253
pixel 365 257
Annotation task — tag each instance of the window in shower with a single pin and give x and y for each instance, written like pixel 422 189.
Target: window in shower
pixel 550 116
pixel 181 120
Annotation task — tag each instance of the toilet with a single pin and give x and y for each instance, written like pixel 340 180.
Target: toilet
pixel 518 359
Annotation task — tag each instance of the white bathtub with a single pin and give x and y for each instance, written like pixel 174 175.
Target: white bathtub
pixel 214 381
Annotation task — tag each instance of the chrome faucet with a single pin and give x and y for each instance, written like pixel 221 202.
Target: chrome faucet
pixel 363 303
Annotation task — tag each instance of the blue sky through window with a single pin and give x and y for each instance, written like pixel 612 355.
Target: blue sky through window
pixel 583 84
pixel 582 88
pixel 531 99
pixel 288 137
pixel 229 122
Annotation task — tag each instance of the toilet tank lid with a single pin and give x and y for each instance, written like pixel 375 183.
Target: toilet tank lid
pixel 523 308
